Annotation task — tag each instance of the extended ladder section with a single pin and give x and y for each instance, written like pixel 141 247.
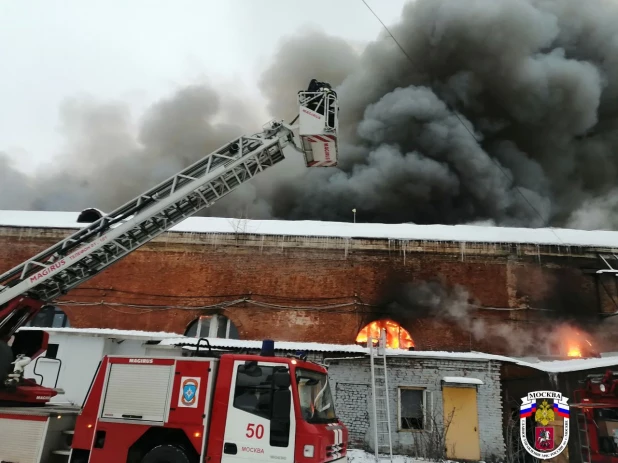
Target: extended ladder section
pixel 90 250
pixel 383 443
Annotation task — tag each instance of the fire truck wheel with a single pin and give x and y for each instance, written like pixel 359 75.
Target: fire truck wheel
pixel 6 358
pixel 166 454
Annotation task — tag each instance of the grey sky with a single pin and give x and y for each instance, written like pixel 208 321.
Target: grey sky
pixel 138 51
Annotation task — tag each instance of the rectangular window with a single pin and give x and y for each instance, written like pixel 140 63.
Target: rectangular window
pixel 222 324
pixel 317 404
pixel 414 408
pixel 259 390
pixel 203 327
pixel 254 390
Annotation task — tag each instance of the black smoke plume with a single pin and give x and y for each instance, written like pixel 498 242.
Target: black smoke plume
pixel 499 111
pixel 551 333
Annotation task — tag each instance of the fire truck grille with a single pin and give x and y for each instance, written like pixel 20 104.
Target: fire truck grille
pixel 334 452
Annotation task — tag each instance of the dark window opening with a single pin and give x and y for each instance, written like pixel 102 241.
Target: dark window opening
pixel 411 408
pixel 50 317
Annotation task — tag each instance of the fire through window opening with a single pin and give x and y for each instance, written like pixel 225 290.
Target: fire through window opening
pixel 574 343
pixel 579 348
pixel 396 336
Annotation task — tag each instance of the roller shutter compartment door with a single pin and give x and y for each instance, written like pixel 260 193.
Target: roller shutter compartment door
pixel 138 392
pixel 21 439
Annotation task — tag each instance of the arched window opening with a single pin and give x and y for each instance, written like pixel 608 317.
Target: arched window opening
pixel 212 326
pixel 396 336
pixel 50 317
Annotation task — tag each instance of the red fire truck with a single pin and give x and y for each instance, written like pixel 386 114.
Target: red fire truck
pixel 225 408
pixel 228 408
pixel 596 418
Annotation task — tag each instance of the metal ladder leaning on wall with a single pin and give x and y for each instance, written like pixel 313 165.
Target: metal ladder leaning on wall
pixel 379 396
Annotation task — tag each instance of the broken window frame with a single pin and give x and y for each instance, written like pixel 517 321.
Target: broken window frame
pixel 426 407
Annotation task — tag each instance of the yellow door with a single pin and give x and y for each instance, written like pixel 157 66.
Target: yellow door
pixel 462 436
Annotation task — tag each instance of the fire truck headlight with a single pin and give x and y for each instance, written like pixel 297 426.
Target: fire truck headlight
pixel 602 387
pixel 308 451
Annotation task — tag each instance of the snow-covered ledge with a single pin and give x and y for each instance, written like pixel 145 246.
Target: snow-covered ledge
pixel 461 380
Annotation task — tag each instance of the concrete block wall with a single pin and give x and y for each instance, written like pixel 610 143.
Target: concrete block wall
pixel 351 383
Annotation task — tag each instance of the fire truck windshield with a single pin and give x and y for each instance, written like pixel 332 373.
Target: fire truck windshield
pixel 315 397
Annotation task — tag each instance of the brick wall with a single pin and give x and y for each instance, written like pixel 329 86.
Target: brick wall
pixel 352 404
pixel 351 379
pixel 317 289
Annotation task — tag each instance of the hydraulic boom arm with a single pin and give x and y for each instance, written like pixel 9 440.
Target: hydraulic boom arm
pixel 79 257
pixel 52 273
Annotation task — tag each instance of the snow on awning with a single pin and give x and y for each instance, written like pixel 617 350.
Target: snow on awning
pixel 462 380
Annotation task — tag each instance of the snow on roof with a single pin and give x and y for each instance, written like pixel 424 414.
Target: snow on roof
pixel 454 233
pixel 173 339
pixel 109 333
pixel 558 366
pixel 461 380
pixel 279 345
pixel 568 366
pixel 335 348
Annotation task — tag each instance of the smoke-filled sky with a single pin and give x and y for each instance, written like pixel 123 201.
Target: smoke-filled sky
pixel 499 110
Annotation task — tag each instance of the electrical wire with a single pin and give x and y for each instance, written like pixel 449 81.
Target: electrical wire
pixel 248 298
pixel 471 133
pixel 282 307
pixel 150 306
pixel 358 306
pixel 203 296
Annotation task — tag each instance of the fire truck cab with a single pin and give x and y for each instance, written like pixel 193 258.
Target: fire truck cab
pixel 595 408
pixel 230 408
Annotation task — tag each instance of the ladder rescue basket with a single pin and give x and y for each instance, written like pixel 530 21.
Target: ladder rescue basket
pixel 318 124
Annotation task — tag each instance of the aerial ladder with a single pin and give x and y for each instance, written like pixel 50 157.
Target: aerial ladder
pixel 35 283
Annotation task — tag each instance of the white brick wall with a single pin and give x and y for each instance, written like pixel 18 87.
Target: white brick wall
pixel 351 381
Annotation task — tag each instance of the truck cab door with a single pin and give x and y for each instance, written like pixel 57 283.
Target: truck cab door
pixel 260 424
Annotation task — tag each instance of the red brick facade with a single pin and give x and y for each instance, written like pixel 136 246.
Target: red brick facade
pixel 322 290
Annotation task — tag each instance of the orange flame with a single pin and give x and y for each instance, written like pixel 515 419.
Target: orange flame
pixel 396 336
pixel 574 351
pixel 574 342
